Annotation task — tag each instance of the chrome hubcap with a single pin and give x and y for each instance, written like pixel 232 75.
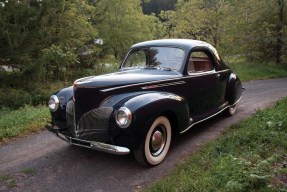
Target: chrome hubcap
pixel 157 141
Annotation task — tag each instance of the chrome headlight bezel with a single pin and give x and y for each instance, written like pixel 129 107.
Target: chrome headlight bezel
pixel 53 103
pixel 123 117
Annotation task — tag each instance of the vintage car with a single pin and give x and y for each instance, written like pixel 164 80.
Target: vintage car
pixel 163 87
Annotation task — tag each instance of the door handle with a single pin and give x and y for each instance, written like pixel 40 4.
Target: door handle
pixel 217 75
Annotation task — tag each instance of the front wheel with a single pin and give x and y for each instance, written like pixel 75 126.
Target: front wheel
pixel 155 145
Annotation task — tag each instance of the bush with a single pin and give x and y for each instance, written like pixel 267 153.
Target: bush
pixel 14 98
pixel 16 92
pixel 40 96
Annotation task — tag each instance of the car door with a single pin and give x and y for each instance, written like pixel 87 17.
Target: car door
pixel 204 90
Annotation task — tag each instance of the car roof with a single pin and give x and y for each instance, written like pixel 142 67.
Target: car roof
pixel 172 42
pixel 184 43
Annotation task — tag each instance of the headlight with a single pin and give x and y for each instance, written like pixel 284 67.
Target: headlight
pixel 123 117
pixel 53 103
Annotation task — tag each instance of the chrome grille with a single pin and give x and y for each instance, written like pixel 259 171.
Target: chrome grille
pixel 96 119
pixel 94 124
pixel 70 114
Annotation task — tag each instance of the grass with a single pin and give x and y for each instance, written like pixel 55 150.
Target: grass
pixel 15 123
pixel 11 181
pixel 251 156
pixel 29 171
pixel 248 71
pixel 8 180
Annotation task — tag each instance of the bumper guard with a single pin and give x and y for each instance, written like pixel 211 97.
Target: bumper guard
pixel 113 149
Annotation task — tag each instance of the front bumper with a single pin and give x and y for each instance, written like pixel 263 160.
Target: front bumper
pixel 89 144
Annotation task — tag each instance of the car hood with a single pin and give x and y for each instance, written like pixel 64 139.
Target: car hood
pixel 125 77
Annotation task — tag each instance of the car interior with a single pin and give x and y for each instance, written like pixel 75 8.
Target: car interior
pixel 199 62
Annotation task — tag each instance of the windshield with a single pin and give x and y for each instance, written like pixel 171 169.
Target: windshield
pixel 155 57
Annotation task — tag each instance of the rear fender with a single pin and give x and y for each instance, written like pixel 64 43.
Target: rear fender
pixel 234 89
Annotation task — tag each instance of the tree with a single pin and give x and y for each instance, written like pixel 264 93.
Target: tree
pixel 261 29
pixel 121 24
pixel 42 37
pixel 280 25
pixel 196 19
pixel 255 30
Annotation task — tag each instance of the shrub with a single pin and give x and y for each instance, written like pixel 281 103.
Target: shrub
pixel 14 98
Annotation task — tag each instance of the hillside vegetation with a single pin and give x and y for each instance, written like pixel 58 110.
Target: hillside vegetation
pixel 56 41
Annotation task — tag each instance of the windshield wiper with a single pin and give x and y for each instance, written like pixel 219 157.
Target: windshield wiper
pixel 165 68
pixel 152 66
pixel 159 67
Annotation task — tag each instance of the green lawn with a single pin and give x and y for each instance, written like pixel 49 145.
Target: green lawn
pixel 247 71
pixel 15 123
pixel 251 156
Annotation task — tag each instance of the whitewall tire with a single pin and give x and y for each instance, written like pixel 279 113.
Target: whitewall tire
pixel 155 145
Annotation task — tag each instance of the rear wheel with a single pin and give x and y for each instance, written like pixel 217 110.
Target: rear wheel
pixel 231 110
pixel 155 145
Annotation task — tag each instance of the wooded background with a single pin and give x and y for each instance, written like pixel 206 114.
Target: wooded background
pixel 48 41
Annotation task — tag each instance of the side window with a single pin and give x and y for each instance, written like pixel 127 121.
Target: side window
pixel 199 61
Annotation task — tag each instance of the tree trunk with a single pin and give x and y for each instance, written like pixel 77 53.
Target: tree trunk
pixel 279 28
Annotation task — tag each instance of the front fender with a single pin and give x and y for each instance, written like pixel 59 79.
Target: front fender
pixel 145 107
pixel 148 106
pixel 64 95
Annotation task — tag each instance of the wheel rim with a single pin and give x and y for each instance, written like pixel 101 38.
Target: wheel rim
pixel 158 140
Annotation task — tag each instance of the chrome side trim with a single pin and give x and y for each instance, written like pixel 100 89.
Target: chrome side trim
pixel 237 101
pixel 163 85
pixel 201 73
pixel 203 120
pixel 209 116
pixel 136 84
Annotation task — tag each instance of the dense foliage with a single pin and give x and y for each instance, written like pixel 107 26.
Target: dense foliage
pixel 255 30
pixel 45 41
pixel 40 37
pixel 121 24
